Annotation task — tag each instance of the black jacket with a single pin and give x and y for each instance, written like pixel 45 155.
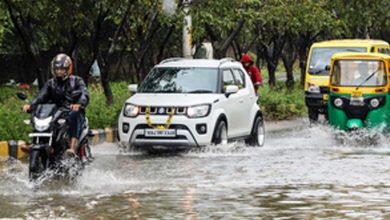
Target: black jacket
pixel 60 93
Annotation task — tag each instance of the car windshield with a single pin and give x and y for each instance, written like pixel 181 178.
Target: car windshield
pixel 358 73
pixel 320 58
pixel 180 80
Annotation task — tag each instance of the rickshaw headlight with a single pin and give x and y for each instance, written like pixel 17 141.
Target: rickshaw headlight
pixel 313 88
pixel 338 102
pixel 374 102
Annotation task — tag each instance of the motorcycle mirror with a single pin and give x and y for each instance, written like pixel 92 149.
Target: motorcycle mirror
pixel 21 95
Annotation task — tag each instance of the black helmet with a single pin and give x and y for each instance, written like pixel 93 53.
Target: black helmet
pixel 62 61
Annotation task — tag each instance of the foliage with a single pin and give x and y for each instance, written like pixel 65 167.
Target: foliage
pixel 279 103
pixel 101 115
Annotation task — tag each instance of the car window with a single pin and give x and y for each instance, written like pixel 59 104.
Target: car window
pixel 228 78
pixel 180 80
pixel 240 78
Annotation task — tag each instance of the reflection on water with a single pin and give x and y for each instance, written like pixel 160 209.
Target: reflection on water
pixel 300 174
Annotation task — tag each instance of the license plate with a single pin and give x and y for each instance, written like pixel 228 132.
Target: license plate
pixel 357 94
pixel 160 133
pixel 357 101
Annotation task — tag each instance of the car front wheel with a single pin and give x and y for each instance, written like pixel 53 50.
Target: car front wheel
pixel 220 133
pixel 257 137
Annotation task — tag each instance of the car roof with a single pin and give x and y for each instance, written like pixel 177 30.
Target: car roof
pixel 357 55
pixel 350 42
pixel 203 63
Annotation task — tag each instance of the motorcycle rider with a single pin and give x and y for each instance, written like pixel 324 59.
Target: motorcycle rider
pixel 58 90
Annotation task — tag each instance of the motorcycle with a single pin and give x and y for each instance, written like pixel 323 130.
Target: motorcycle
pixel 50 139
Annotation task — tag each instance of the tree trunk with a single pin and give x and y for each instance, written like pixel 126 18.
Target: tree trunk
pixel 288 65
pixel 220 52
pixel 289 55
pixel 25 31
pixel 165 42
pixel 272 54
pixel 304 42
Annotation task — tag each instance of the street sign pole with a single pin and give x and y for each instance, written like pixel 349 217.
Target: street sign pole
pixel 187 30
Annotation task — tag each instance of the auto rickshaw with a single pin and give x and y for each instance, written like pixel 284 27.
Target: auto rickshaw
pixel 359 91
pixel 318 63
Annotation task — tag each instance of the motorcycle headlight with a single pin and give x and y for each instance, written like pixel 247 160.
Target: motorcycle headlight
pixel 338 102
pixel 42 124
pixel 374 103
pixel 313 88
pixel 198 111
pixel 131 110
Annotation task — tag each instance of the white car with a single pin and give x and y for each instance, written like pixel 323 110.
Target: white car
pixel 184 103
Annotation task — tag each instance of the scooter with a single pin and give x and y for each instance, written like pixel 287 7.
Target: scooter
pixel 50 139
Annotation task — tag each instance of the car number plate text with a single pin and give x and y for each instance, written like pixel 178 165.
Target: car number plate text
pixel 160 133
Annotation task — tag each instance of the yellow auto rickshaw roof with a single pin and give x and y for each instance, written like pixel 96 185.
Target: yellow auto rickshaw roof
pixel 357 55
pixel 350 43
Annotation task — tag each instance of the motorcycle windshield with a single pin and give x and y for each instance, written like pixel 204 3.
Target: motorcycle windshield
pixel 45 110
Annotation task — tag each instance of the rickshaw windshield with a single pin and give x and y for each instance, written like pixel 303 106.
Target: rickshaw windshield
pixel 358 73
pixel 320 58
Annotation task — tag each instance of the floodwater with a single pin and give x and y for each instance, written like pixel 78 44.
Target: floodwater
pixel 304 173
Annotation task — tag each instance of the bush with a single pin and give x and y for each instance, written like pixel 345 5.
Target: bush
pixel 279 103
pixel 99 114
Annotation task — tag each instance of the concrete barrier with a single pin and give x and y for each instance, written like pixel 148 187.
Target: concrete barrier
pixel 12 149
pixel 104 135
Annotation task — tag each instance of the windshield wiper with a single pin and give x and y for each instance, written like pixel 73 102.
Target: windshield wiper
pixel 201 91
pixel 318 71
pixel 368 78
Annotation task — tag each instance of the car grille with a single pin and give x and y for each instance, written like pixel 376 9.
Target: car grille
pixel 173 126
pixel 163 110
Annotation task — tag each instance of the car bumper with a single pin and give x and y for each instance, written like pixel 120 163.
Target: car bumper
pixel 187 135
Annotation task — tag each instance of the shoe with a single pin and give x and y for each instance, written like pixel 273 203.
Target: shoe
pixel 70 152
pixel 26 148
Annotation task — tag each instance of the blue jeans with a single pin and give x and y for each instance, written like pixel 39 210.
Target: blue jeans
pixel 75 123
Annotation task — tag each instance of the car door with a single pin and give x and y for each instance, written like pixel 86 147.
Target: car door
pixel 245 102
pixel 231 104
pixel 236 108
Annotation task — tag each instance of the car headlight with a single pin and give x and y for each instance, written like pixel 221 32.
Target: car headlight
pixel 338 102
pixel 374 103
pixel 313 88
pixel 198 111
pixel 42 124
pixel 130 110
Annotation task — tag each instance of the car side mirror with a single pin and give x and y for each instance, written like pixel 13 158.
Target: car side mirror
pixel 21 95
pixel 132 88
pixel 327 67
pixel 231 89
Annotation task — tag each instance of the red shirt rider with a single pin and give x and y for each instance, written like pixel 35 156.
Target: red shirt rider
pixel 252 70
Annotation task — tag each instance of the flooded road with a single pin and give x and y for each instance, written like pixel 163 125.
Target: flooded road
pixel 300 174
